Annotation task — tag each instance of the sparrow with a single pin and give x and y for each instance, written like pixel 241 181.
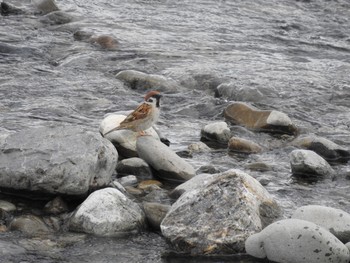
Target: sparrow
pixel 145 115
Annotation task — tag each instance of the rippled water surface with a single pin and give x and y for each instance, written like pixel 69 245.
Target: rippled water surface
pixel 295 53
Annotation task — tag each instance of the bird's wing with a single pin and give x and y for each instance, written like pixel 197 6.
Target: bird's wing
pixel 140 113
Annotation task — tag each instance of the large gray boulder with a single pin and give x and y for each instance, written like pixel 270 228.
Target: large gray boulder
pixel 297 241
pixel 56 160
pixel 218 217
pixel 107 212
pixel 166 162
pixel 308 163
pixel 335 220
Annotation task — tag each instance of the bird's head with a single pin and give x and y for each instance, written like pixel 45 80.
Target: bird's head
pixel 153 97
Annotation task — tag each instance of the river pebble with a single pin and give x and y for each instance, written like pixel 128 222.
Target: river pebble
pixel 262 120
pixel 167 163
pixel 241 145
pixel 135 166
pixel 142 81
pixel 56 206
pixel 335 220
pixel 155 213
pixel 329 150
pixel 217 132
pixel 297 241
pixel 29 225
pixel 56 160
pixel 308 163
pixel 7 206
pixel 226 211
pixel 129 180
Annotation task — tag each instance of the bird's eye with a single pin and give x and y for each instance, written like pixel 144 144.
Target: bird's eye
pixel 150 100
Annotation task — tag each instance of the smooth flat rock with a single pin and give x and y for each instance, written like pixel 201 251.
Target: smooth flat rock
pixel 107 212
pixel 261 120
pixel 56 160
pixel 335 220
pixel 167 163
pixel 218 217
pixel 135 166
pixel 297 241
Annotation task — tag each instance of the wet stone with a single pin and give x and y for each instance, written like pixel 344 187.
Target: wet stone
pixel 8 248
pixel 307 163
pixel 7 206
pixel 155 213
pixel 297 241
pixel 329 150
pixel 142 81
pixel 217 132
pixel 241 145
pixel 149 184
pixel 261 120
pixel 129 180
pixel 56 206
pixel 30 225
pixel 135 166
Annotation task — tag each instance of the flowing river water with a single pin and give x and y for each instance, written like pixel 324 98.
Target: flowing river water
pixel 295 54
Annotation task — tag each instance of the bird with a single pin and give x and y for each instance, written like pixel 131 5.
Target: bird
pixel 144 116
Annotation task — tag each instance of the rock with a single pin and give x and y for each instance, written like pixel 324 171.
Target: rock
pixel 128 180
pixel 115 184
pixel 258 166
pixel 7 9
pixel 56 160
pixel 329 150
pixel 297 241
pixel 335 220
pixel 155 213
pixel 107 212
pixel 168 164
pixel 261 120
pixel 305 162
pixel 30 225
pixel 106 42
pixel 158 195
pixel 133 191
pixel 142 81
pixel 218 217
pixel 198 147
pixel 57 18
pixel 135 166
pixel 123 140
pixel 149 184
pixel 7 206
pixel 8 248
pixel 234 92
pixel 197 182
pixel 207 169
pixel 56 206
pixel 217 132
pixel 45 6
pixel 240 145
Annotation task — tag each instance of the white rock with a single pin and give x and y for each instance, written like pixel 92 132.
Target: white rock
pixel 7 206
pixel 335 220
pixel 297 241
pixel 279 119
pixel 217 132
pixel 107 212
